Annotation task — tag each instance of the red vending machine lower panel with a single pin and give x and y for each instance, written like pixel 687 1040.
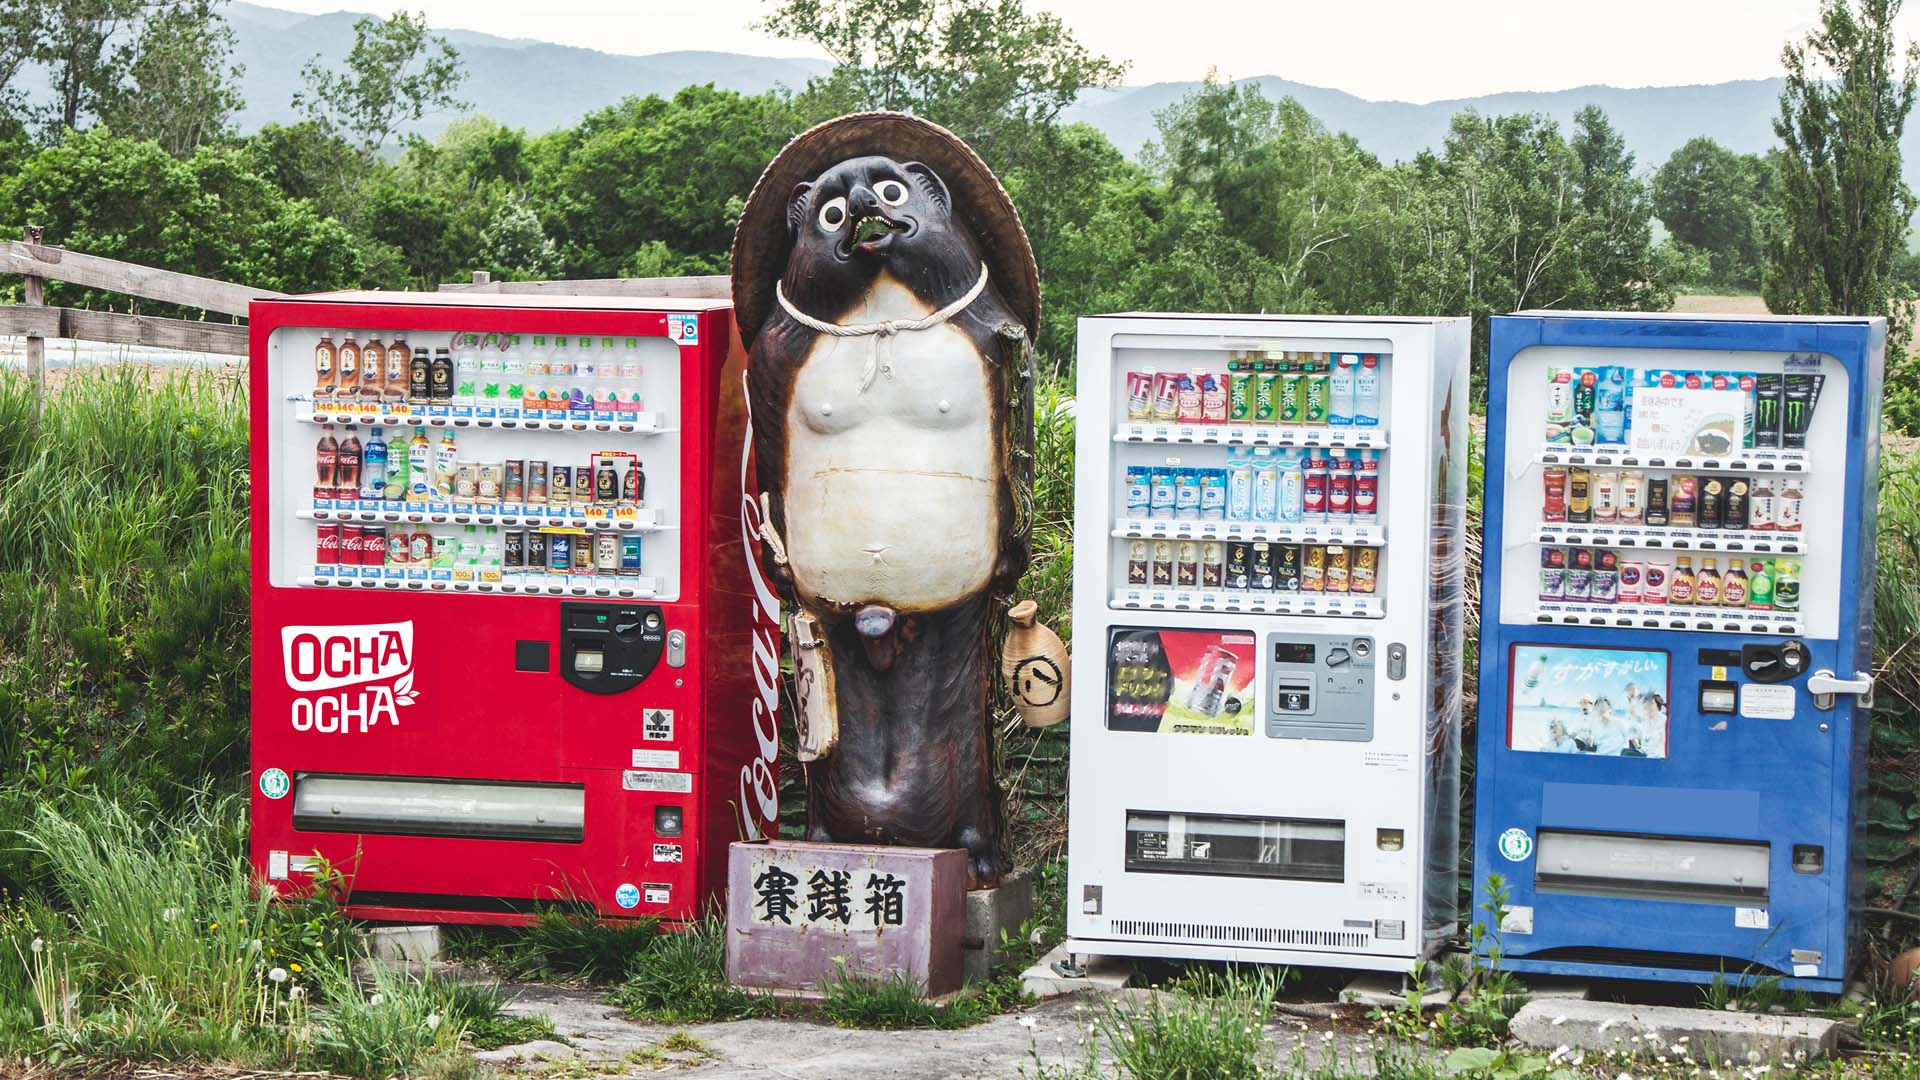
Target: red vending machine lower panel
pixel 507 627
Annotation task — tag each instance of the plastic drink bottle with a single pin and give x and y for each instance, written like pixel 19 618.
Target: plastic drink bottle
pixel 373 467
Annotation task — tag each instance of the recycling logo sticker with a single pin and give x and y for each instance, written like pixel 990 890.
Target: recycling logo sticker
pixel 274 783
pixel 627 896
pixel 1516 845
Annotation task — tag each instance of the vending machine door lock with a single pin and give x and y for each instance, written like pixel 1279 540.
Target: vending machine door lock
pixel 676 648
pixel 607 648
pixel 1824 684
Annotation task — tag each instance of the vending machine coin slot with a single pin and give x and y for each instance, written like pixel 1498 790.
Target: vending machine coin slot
pixel 605 648
pixel 1773 662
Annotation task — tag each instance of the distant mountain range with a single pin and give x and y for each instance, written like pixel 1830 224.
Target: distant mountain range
pixel 541 86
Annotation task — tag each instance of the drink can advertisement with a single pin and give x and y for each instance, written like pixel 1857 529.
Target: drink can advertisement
pixel 1181 682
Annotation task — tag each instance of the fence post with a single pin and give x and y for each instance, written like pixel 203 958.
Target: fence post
pixel 482 277
pixel 36 347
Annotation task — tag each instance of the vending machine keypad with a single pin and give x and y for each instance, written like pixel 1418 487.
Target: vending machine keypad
pixel 1320 686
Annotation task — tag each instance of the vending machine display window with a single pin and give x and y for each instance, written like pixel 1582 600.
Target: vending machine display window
pixel 1268 571
pixel 1600 702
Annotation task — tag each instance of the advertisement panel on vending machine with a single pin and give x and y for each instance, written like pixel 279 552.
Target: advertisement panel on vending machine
pixel 510 643
pixel 1268 574
pixel 1677 626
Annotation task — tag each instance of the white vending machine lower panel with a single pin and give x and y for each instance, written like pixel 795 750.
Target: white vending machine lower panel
pixel 1267 632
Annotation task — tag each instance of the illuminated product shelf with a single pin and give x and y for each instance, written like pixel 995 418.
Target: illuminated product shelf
pixel 1279 532
pixel 401 415
pixel 1174 432
pixel 447 581
pixel 1330 605
pixel 1669 617
pixel 1740 461
pixel 616 519
pixel 1634 536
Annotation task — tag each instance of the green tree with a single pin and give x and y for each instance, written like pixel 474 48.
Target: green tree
pixel 395 74
pixel 990 70
pixel 20 30
pixel 180 86
pixel 1715 200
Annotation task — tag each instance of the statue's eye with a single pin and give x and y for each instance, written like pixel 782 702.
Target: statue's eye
pixel 834 214
pixel 891 192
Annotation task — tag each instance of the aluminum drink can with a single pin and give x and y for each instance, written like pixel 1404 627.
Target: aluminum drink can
pixel 1212 564
pixel 630 556
pixel 536 491
pixel 1580 574
pixel 1289 565
pixel 583 485
pixel 1313 568
pixel 350 541
pixel 1786 584
pixel 1186 565
pixel 1553 573
pixel 606 554
pixel 1606 576
pixel 559 553
pixel 326 550
pixel 1140 394
pixel 1186 494
pixel 559 485
pixel 1166 395
pixel 1313 493
pixel 1163 480
pixel 1267 391
pixel 513 481
pixel 1339 568
pixel 1210 681
pixel 1366 569
pixel 536 550
pixel 1340 490
pixel 1239 488
pixel 583 555
pixel 1653 585
pixel 373 545
pixel 1553 503
pixel 1633 573
pixel 1760 506
pixel 514 555
pixel 1239 565
pixel 1260 567
pixel 1240 404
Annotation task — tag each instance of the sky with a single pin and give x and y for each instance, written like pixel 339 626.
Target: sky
pixel 1404 50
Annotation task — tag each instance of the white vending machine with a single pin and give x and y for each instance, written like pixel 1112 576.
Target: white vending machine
pixel 1269 561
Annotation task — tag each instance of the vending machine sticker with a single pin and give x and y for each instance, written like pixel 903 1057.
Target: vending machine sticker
pixel 684 329
pixel 627 896
pixel 656 759
pixel 666 853
pixel 1750 918
pixel 1759 702
pixel 677 783
pixel 659 894
pixel 276 866
pixel 1577 700
pixel 274 783
pixel 656 725
pixel 1675 420
pixel 1186 682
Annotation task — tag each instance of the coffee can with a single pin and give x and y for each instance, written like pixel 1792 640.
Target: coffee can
pixel 583 485
pixel 583 555
pixel 536 550
pixel 606 554
pixel 514 556
pixel 536 490
pixel 513 480
pixel 559 553
pixel 1313 568
pixel 490 483
pixel 559 485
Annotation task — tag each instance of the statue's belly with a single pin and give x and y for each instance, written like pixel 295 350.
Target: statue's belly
pixel 892 491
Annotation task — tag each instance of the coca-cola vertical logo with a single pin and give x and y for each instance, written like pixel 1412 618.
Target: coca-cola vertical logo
pixel 759 794
pixel 348 679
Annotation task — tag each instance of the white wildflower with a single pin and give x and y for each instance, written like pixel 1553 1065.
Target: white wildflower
pixel 375 999
pixel 278 975
pixel 254 946
pixel 37 946
pixel 296 993
pixel 1029 1022
pixel 433 1021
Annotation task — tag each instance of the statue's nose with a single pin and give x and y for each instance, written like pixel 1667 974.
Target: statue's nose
pixel 863 200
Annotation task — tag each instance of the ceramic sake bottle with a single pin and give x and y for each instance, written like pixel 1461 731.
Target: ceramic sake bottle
pixel 1034 666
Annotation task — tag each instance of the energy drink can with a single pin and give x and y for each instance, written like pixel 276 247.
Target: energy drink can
pixel 1161 570
pixel 1366 569
pixel 1210 681
pixel 1769 404
pixel 1240 397
pixel 1260 567
pixel 1239 565
pixel 1553 573
pixel 1137 562
pixel 1802 393
pixel 559 553
pixel 1288 568
pixel 1339 568
pixel 630 550
pixel 1553 504
pixel 1313 568
pixel 536 491
pixel 1606 576
pixel 1212 564
pixel 606 554
pixel 1186 565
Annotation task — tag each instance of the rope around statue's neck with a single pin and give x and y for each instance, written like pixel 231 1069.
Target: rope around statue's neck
pixel 882 332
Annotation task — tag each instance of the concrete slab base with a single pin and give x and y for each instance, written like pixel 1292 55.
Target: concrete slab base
pixel 403 944
pixel 990 912
pixel 1106 974
pixel 1385 990
pixel 1697 1034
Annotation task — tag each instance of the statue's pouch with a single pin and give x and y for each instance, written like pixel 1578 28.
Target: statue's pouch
pixel 816 714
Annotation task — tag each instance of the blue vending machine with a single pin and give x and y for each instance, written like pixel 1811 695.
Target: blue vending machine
pixel 1675 644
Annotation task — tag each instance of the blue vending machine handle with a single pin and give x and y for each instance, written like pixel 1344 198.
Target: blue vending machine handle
pixel 1723 845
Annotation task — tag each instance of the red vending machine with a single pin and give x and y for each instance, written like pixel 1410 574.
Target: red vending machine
pixel 510 643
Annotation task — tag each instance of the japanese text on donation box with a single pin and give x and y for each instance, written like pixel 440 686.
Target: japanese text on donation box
pixel 788 891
